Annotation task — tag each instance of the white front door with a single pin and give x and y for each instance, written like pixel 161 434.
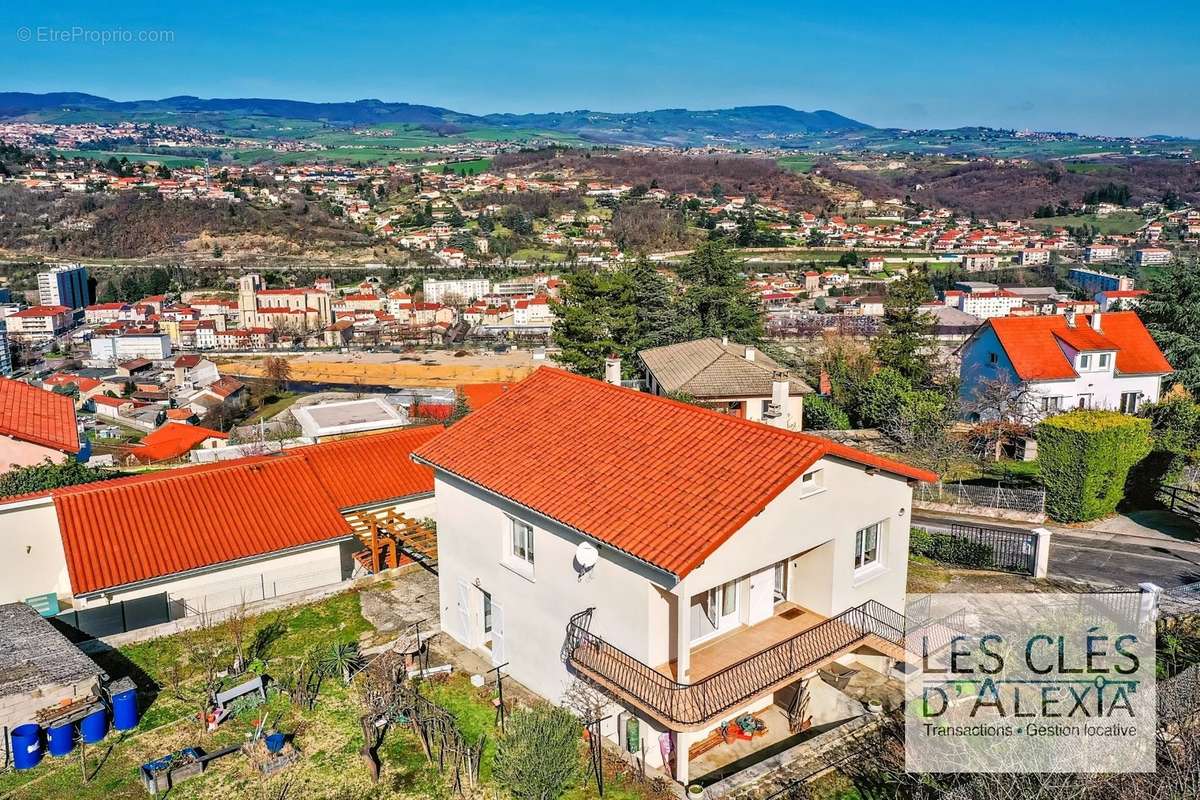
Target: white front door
pixel 762 596
pixel 464 613
pixel 499 653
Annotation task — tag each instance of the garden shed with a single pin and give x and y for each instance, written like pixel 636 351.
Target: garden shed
pixel 39 668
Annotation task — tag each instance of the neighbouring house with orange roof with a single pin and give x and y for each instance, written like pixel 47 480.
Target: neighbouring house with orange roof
pixel 84 386
pixel 210 536
pixel 1064 361
pixel 35 425
pixel 649 546
pixel 172 441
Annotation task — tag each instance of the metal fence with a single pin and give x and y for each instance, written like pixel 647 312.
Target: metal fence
pixel 969 494
pixel 1183 501
pixel 981 548
pixel 118 617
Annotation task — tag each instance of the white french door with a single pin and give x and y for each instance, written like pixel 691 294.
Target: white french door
pixel 715 611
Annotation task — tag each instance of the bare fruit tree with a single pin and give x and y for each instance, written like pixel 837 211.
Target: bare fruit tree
pixel 1003 407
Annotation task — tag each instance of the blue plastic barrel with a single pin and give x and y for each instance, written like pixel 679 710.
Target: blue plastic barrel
pixel 94 726
pixel 125 710
pixel 27 748
pixel 60 738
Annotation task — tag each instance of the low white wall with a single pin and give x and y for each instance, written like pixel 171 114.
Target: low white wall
pixel 252 580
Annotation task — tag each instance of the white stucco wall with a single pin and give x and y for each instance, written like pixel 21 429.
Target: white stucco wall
pixel 471 541
pixel 634 605
pixel 32 561
pixel 19 453
pixel 795 523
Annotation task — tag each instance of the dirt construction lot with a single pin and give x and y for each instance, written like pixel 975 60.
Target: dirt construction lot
pixel 434 368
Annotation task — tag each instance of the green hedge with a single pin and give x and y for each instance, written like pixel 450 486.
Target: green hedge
pixel 949 549
pixel 1085 458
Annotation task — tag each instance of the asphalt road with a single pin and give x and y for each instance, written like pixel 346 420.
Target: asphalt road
pixel 1101 558
pixel 1122 562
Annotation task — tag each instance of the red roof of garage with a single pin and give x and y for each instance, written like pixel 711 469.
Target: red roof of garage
pixel 122 531
pixel 155 524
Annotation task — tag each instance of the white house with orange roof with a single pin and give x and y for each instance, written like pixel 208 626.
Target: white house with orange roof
pixel 691 565
pixel 170 535
pixel 35 425
pixel 1058 362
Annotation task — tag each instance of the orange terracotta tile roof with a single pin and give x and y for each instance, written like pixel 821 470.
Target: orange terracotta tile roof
pixel 154 524
pixel 480 394
pixel 664 481
pixel 371 469
pixel 172 441
pixel 1033 344
pixel 38 416
pixel 124 531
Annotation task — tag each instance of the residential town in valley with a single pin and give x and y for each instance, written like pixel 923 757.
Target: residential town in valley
pixel 364 449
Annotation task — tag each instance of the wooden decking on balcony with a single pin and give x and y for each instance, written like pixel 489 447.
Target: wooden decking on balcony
pixel 729 648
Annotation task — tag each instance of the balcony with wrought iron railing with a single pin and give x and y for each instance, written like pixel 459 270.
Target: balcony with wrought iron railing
pixel 692 706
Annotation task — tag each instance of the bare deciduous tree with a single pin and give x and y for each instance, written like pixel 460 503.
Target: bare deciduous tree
pixel 1002 408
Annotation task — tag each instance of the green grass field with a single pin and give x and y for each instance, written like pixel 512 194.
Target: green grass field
pixel 145 158
pixel 473 166
pixel 796 163
pixel 536 254
pixel 328 737
pixel 1122 222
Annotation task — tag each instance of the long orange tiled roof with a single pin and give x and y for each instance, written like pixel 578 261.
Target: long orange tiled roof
pixel 38 416
pixel 117 532
pixel 664 481
pixel 146 526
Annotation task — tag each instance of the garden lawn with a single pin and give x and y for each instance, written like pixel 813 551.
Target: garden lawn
pixel 328 737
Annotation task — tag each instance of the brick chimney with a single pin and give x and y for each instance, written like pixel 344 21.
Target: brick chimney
pixel 825 386
pixel 612 370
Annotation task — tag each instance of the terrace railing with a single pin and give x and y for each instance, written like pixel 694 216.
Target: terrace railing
pixel 693 704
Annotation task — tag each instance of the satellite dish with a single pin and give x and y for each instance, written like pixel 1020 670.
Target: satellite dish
pixel 586 555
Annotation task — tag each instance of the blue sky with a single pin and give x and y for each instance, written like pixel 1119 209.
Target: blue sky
pixel 1100 67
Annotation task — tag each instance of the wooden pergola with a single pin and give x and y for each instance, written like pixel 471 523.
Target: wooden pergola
pixel 387 536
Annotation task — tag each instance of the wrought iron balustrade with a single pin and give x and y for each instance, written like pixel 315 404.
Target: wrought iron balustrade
pixel 688 704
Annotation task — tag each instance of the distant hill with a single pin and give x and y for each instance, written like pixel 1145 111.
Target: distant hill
pixel 664 126
pixel 361 112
